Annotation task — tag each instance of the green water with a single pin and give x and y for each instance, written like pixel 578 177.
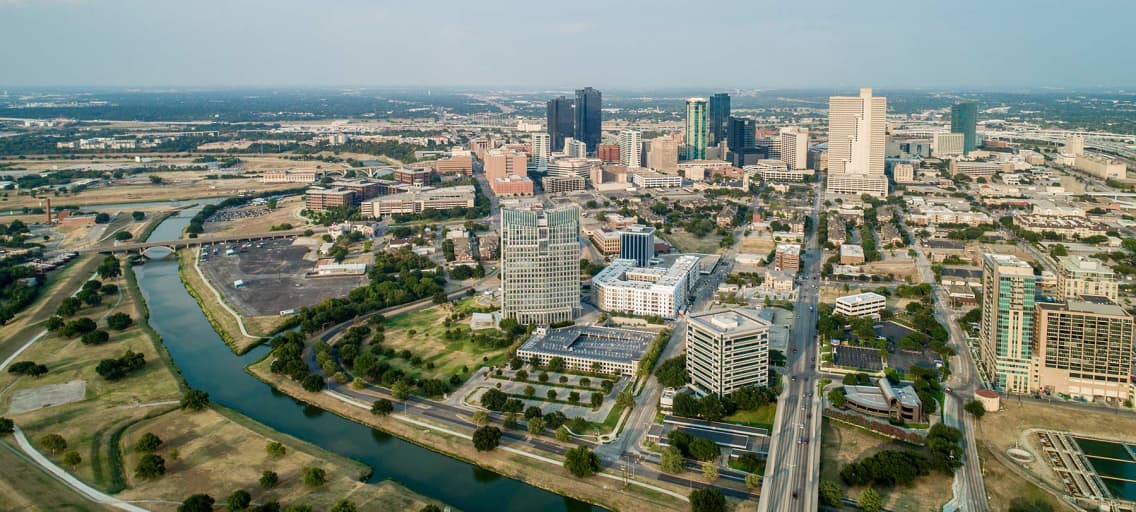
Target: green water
pixel 1114 463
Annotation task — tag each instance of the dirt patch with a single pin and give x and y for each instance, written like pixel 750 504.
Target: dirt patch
pixel 50 395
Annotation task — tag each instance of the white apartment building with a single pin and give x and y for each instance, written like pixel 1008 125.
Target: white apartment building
pixel 856 144
pixel 575 148
pixel 541 150
pixel 631 148
pixel 1080 275
pixel 727 350
pixel 646 178
pixel 795 147
pixel 662 291
pixel 861 304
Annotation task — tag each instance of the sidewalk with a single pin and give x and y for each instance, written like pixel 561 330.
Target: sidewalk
pixel 72 482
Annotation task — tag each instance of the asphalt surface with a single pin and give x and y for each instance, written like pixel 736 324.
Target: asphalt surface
pixel 792 471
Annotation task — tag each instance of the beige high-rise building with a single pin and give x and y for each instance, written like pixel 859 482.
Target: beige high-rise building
pixel 500 163
pixel 540 265
pixel 1006 329
pixel 1080 275
pixel 1074 145
pixel 856 144
pixel 727 350
pixel 947 144
pixel 903 173
pixel 795 147
pixel 1083 348
pixel 662 154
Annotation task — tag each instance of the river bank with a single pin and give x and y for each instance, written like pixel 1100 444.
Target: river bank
pixel 608 493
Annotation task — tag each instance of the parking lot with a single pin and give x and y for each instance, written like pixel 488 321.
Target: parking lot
pixel 858 357
pixel 272 272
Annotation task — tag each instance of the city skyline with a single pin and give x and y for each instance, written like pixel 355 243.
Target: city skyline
pixel 245 45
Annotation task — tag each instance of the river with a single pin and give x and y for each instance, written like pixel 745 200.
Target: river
pixel 208 364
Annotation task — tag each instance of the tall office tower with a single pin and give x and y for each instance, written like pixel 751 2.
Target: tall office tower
pixel 719 116
pixel 540 265
pixel 727 350
pixel 795 147
pixel 741 133
pixel 1006 330
pixel 630 148
pixel 637 242
pixel 541 150
pixel 696 129
pixel 561 121
pixel 574 148
pixel 856 144
pixel 1083 348
pixel 964 120
pixel 500 163
pixel 589 124
pixel 662 154
pixel 1079 275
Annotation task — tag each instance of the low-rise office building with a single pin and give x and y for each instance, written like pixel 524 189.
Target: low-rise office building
pixel 646 178
pixel 558 184
pixel 608 242
pixel 1067 226
pixel 886 401
pixel 418 201
pixel 860 304
pixel 851 254
pixel 318 199
pixel 585 348
pixel 787 257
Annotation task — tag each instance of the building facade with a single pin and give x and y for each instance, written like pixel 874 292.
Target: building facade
pixel 1081 275
pixel 1084 348
pixel 540 265
pixel 662 154
pixel 856 144
pixel 727 350
pixel 964 120
pixel 561 117
pixel 588 126
pixel 696 129
pixel 1006 329
pixel 637 242
pixel 860 304
pixel 795 147
pixel 631 148
pixel 719 116
pixel 948 144
pixel 625 287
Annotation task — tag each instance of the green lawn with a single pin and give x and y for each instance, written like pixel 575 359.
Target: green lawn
pixel 427 342
pixel 761 417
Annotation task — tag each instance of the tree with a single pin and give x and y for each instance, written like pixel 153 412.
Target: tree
pixel 975 408
pixel 709 499
pixel 401 391
pixel 53 443
pixel 597 399
pixel 552 394
pixel 147 443
pixel 313 383
pixel 7 426
pixel 194 400
pixel 685 405
pixel 581 462
pixel 269 479
pixel 343 506
pixel 239 500
pixel 836 397
pixel 119 321
pixel 672 460
pixel 1020 504
pixel 672 372
pixel 753 481
pixel 530 391
pixel 536 426
pixel 704 449
pixel 95 338
pixel 480 418
pixel 72 458
pixel 430 508
pixel 556 364
pixel 382 407
pixel 711 408
pixel 710 471
pixel 314 477
pixel 150 466
pixel 123 236
pixel 486 438
pixel 830 493
pixel 870 500
pixel 69 307
pixel 137 215
pixel 197 503
pixel 296 507
pixel 562 434
pixel 109 268
pixel 275 449
pixel 574 396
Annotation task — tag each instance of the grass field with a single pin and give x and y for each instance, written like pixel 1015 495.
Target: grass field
pixel 761 417
pixel 177 186
pixel 36 489
pixel 427 343
pixel 686 242
pixel 285 213
pixel 844 444
pixel 59 286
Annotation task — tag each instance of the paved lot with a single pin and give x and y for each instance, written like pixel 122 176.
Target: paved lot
pixel 273 274
pixel 904 360
pixel 47 396
pixel 858 357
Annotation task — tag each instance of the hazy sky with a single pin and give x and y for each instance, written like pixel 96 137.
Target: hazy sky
pixel 982 44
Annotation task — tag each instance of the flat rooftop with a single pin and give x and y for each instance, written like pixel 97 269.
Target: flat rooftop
pixel 596 343
pixel 728 321
pixel 860 298
pixel 1088 304
pixel 851 250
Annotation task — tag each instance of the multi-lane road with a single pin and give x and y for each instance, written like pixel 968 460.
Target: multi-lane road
pixel 792 474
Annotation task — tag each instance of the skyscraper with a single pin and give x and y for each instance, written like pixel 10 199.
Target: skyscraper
pixel 561 121
pixel 856 144
pixel 541 149
pixel 1084 348
pixel 964 120
pixel 696 129
pixel 637 242
pixel 1006 330
pixel 719 116
pixel 589 124
pixel 574 148
pixel 630 148
pixel 741 133
pixel 540 265
pixel 795 147
pixel 662 154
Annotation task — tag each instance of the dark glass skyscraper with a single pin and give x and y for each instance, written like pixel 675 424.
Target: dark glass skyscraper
pixel 561 121
pixel 719 116
pixel 964 120
pixel 588 121
pixel 637 242
pixel 741 134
